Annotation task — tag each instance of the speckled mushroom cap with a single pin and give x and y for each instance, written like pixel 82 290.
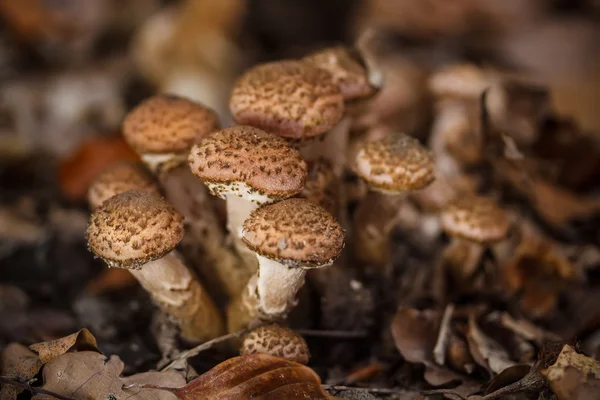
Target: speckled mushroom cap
pixel 118 178
pixel 322 186
pixel 395 163
pixel 250 163
pixel 277 341
pixel 133 228
pixel 294 232
pixel 167 124
pixel 475 218
pixel 346 71
pixel 294 99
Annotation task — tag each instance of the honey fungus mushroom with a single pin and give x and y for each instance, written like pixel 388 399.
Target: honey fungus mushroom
pixel 118 178
pixel 289 237
pixel 247 167
pixel 162 130
pixel 139 231
pixel 392 166
pixel 277 341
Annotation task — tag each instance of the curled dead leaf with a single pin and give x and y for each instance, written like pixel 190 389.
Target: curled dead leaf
pixel 80 341
pixel 17 361
pixel 255 376
pixel 574 376
pixel 485 351
pixel 415 333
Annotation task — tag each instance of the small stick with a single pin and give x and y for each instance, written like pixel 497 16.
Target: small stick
pixel 370 390
pixel 439 351
pixel 333 334
pixel 32 389
pixel 194 351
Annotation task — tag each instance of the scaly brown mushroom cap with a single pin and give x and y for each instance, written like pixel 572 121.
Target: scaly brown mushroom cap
pixel 475 218
pixel 249 162
pixel 294 232
pixel 294 99
pixel 277 341
pixel 118 178
pixel 322 186
pixel 133 228
pixel 395 163
pixel 167 124
pixel 346 71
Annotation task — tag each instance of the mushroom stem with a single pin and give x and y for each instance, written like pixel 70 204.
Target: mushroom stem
pixel 238 210
pixel 277 286
pixel 177 292
pixel 332 147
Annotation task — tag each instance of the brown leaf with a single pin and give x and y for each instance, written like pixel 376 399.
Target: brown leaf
pixel 256 376
pixel 508 376
pixel 415 333
pixel 88 375
pixel 485 351
pixel 80 341
pixel 574 376
pixel 17 360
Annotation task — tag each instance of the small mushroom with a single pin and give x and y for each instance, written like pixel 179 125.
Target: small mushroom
pixel 139 231
pixel 322 186
pixel 162 130
pixel 247 167
pixel 277 341
pixel 464 82
pixel 118 178
pixel 289 237
pixel 393 165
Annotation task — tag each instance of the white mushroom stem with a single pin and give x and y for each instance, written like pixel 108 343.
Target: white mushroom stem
pixel 277 286
pixel 332 147
pixel 162 162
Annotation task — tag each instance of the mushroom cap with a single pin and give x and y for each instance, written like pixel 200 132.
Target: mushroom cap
pixel 118 178
pixel 294 99
pixel 167 124
pixel 250 163
pixel 395 163
pixel 133 228
pixel 294 232
pixel 466 81
pixel 322 186
pixel 346 71
pixel 475 218
pixel 277 341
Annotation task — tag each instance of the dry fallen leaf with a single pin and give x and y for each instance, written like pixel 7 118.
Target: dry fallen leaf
pixel 17 361
pixel 80 341
pixel 255 376
pixel 574 376
pixel 88 375
pixel 485 351
pixel 415 333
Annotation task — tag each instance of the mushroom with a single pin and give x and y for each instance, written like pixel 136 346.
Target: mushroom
pixel 322 186
pixel 277 341
pixel 118 178
pixel 247 167
pixel 162 130
pixel 289 237
pixel 139 231
pixel 393 165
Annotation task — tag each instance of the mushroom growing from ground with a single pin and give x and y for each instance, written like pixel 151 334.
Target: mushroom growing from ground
pixel 247 167
pixel 118 178
pixel 277 341
pixel 162 130
pixel 139 231
pixel 393 165
pixel 289 237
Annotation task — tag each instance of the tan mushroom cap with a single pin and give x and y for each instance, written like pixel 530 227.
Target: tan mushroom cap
pixel 249 162
pixel 133 228
pixel 395 163
pixel 475 218
pixel 167 124
pixel 294 99
pixel 277 341
pixel 322 186
pixel 118 178
pixel 346 71
pixel 294 232
pixel 465 81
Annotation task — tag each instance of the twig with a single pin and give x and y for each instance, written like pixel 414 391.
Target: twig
pixel 333 334
pixel 370 390
pixel 6 380
pixel 194 351
pixel 439 351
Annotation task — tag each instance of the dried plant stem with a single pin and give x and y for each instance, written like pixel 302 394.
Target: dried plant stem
pixel 194 351
pixel 6 380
